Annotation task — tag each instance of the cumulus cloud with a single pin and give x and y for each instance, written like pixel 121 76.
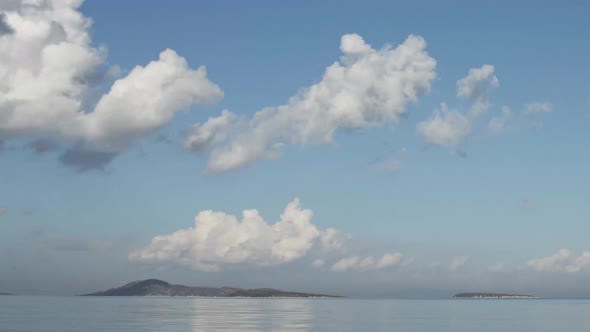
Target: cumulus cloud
pixel 49 70
pixel 458 262
pixel 476 87
pixel 219 239
pixel 446 127
pixel 449 127
pixel 498 123
pixel 539 107
pixel 561 261
pixel 366 88
pixel 368 263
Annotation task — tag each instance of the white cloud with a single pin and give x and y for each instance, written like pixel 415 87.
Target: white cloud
pixel 446 127
pixel 214 131
pixel 450 127
pixel 50 74
pixel 367 263
pixel 562 261
pixel 539 107
pixel 366 88
pixel 476 87
pixel 458 262
pixel 388 166
pixel 333 240
pixel 318 263
pixel 219 239
pixel 498 123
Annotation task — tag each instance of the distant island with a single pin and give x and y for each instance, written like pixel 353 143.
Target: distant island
pixel 155 287
pixel 5 293
pixel 492 296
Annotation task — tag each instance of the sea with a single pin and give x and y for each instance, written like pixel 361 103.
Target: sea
pixel 76 314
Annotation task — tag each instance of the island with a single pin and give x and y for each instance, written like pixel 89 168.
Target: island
pixel 492 296
pixel 155 287
pixel 5 293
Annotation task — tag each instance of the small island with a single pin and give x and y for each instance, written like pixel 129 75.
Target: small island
pixel 155 287
pixel 492 296
pixel 5 293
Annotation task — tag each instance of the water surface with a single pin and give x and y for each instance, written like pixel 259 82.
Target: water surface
pixel 75 314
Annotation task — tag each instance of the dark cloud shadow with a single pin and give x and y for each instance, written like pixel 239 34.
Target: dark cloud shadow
pixel 43 145
pixel 82 159
pixel 5 29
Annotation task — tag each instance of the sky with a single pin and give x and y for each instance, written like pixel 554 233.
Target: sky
pixel 408 149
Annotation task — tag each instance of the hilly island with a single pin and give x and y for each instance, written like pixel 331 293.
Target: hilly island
pixel 155 287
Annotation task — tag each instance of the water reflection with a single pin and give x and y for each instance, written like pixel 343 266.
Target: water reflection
pixel 251 315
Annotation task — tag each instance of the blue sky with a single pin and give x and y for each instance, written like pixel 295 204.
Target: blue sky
pixel 500 204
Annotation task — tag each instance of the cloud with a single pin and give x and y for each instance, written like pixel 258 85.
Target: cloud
pixel 388 166
pixel 366 88
pixel 318 263
pixel 82 159
pixel 368 263
pixel 5 29
pixel 49 71
pixel 214 131
pixel 476 87
pixel 498 123
pixel 43 145
pixel 333 240
pixel 539 107
pixel 446 127
pixel 562 261
pixel 449 127
pixel 219 239
pixel 458 262
pixel 3 210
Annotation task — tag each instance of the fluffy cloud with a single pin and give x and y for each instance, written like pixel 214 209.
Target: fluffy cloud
pixel 539 107
pixel 562 261
pixel 445 128
pixel 366 88
pixel 476 87
pixel 219 239
pixel 49 71
pixel 458 262
pixel 367 263
pixel 450 127
pixel 497 123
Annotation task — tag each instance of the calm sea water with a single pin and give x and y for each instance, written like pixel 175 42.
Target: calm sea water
pixel 75 314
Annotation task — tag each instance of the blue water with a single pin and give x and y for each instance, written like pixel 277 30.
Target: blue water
pixel 69 314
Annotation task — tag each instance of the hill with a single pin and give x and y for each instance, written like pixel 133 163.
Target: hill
pixel 155 287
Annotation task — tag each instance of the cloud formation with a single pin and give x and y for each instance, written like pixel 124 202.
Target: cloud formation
pixel 3 210
pixel 446 127
pixel 366 88
pixel 498 123
pixel 476 87
pixel 458 262
pixel 449 127
pixel 368 263
pixel 561 261
pixel 219 239
pixel 49 70
pixel 539 107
